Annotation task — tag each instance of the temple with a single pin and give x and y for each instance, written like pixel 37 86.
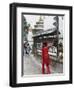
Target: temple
pixel 40 35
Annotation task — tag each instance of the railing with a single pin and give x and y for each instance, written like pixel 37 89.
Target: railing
pixel 53 56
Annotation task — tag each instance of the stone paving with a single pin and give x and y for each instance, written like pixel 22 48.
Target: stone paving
pixel 32 66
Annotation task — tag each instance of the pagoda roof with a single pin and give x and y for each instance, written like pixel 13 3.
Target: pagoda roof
pixel 47 33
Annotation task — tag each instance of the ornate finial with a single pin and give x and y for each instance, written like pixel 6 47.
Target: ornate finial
pixel 40 19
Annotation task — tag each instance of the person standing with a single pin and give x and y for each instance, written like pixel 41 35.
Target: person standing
pixel 45 58
pixel 28 49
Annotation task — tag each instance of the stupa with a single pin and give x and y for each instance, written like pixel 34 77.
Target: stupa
pixel 39 26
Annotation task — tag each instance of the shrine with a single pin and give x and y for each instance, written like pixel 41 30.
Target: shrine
pixel 40 35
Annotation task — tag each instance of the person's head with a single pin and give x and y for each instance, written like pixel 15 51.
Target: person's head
pixel 44 44
pixel 28 44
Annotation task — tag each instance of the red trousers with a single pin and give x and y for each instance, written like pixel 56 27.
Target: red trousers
pixel 47 68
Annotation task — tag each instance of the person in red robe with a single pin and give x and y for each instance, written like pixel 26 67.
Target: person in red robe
pixel 45 58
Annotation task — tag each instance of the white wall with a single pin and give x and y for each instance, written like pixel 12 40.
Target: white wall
pixel 4 45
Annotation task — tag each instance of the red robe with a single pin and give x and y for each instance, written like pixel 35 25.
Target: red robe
pixel 45 55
